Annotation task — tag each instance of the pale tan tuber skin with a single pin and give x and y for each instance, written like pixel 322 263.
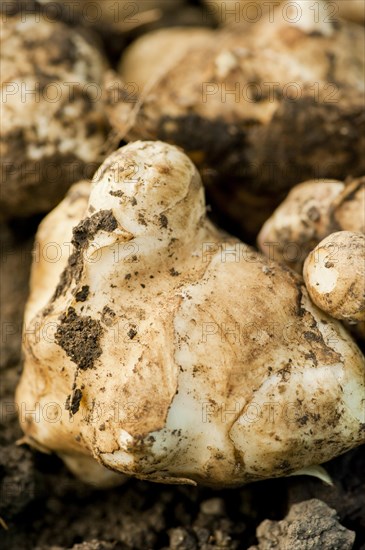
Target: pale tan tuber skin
pixel 334 274
pixel 53 129
pixel 312 211
pixel 252 140
pixel 164 349
pixel 55 228
pixel 299 223
pixel 163 49
pixel 347 210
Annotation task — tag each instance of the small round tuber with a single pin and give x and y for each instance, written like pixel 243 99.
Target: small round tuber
pixel 312 211
pixel 299 223
pixel 334 274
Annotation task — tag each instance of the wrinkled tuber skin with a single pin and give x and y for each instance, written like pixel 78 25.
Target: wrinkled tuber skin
pixel 162 353
pixel 312 211
pixel 53 129
pixel 334 274
pixel 260 110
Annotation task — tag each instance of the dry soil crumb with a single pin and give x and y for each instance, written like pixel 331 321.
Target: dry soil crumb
pixel 309 525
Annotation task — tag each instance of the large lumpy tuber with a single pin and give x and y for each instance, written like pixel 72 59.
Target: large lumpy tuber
pixel 170 351
pixel 258 110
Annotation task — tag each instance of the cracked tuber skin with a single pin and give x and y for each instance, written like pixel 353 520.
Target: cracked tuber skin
pixel 152 352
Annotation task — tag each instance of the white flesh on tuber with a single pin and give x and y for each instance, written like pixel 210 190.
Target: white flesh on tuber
pixel 170 351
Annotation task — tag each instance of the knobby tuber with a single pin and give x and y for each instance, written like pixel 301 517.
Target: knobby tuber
pixel 257 111
pixel 312 211
pixel 168 350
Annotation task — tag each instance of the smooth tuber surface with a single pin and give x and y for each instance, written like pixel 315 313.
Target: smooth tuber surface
pixel 334 274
